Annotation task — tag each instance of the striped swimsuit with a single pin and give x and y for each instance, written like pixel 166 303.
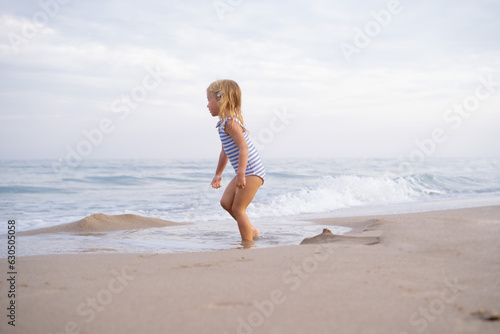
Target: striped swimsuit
pixel 254 166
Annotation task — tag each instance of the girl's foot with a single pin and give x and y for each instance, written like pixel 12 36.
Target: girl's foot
pixel 245 244
pixel 255 232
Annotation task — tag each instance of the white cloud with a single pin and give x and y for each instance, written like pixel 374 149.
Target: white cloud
pixel 282 54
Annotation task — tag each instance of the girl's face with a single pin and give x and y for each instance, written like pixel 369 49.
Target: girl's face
pixel 213 104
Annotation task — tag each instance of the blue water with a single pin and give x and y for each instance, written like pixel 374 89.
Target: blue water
pixel 36 194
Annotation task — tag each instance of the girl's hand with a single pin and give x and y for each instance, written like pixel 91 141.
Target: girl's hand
pixel 216 181
pixel 241 181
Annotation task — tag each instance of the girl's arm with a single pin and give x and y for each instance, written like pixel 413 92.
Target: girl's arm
pixel 220 168
pixel 235 130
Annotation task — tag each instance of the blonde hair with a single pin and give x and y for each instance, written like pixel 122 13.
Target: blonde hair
pixel 228 94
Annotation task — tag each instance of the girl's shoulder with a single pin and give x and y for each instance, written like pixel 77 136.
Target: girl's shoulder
pixel 229 121
pixel 225 121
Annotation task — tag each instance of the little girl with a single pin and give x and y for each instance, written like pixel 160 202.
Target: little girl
pixel 224 101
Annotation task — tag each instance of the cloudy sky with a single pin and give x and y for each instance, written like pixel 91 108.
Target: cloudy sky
pixel 127 79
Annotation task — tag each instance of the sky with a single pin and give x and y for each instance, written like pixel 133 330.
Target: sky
pixel 413 80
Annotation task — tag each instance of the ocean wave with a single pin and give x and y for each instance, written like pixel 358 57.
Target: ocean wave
pixel 443 184
pixel 333 193
pixel 181 191
pixel 31 190
pixel 118 180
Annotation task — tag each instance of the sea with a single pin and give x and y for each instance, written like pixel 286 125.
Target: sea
pixel 37 194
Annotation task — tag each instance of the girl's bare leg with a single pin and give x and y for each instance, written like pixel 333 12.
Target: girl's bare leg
pixel 235 201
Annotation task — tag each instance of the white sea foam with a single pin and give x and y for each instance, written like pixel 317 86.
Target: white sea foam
pixel 333 193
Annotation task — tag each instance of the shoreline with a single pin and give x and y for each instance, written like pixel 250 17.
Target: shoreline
pixel 432 272
pixel 101 234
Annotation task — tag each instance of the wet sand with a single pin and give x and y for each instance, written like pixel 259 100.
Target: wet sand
pixel 430 272
pixel 100 222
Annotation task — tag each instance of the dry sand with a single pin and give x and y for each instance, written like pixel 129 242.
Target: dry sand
pixel 430 273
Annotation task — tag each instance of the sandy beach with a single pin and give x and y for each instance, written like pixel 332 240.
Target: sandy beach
pixel 433 272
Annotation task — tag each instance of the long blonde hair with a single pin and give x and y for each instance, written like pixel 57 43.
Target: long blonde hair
pixel 228 94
